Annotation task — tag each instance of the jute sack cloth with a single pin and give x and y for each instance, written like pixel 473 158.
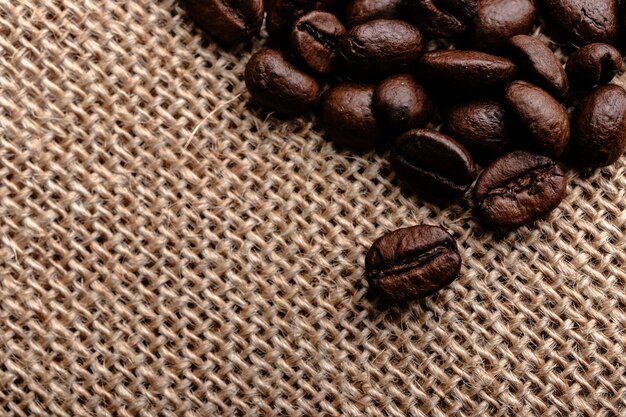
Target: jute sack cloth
pixel 169 249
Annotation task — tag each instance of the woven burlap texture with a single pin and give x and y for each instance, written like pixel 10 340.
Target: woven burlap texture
pixel 169 249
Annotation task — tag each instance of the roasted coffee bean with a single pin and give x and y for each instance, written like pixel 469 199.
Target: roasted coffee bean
pixel 361 11
pixel 314 41
pixel 347 114
pixel 412 263
pixel 519 188
pixel 276 83
pixel 543 118
pixel 599 127
pixel 380 47
pixel 539 64
pixel 582 21
pixel 466 71
pixel 403 103
pixel 435 165
pixel 443 18
pixel 484 127
pixel 281 14
pixel 498 20
pixel 593 64
pixel 231 21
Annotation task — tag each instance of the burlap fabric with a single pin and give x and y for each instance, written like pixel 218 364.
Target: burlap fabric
pixel 168 249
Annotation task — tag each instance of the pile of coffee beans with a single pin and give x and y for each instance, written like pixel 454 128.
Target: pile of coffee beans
pixel 371 72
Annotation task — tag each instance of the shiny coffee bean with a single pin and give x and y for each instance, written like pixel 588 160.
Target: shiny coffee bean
pixel 435 165
pixel 403 103
pixel 443 18
pixel 412 263
pixel 599 127
pixel 281 14
pixel 544 119
pixel 231 21
pixel 484 127
pixel 314 41
pixel 538 64
pixel 361 11
pixel 593 64
pixel 276 83
pixel 519 188
pixel 347 114
pixel 498 20
pixel 582 21
pixel 466 71
pixel 380 47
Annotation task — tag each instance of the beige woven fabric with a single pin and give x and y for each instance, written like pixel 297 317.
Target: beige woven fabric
pixel 168 249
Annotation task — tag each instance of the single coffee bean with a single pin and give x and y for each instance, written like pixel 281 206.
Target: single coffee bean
pixel 361 11
pixel 498 20
pixel 593 64
pixel 281 14
pixel 582 21
pixel 347 114
pixel 599 127
pixel 543 118
pixel 443 18
pixel 412 263
pixel 403 103
pixel 519 188
pixel 484 127
pixel 466 71
pixel 314 41
pixel 539 64
pixel 276 83
pixel 435 165
pixel 231 21
pixel 380 47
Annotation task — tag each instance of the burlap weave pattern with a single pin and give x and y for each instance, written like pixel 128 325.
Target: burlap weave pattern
pixel 168 249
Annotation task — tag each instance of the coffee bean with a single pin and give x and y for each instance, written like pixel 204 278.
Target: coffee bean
pixel 403 103
pixel 412 263
pixel 281 14
pixel 361 11
pixel 484 127
pixel 231 21
pixel 276 83
pixel 498 20
pixel 519 188
pixel 435 165
pixel 380 47
pixel 582 21
pixel 347 115
pixel 599 127
pixel 539 64
pixel 593 64
pixel 443 18
pixel 543 118
pixel 314 41
pixel 466 72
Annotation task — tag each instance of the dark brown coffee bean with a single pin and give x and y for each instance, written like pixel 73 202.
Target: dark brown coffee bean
pixel 599 127
pixel 543 118
pixel 380 47
pixel 361 11
pixel 347 114
pixel 594 64
pixel 314 41
pixel 539 64
pixel 276 83
pixel 466 71
pixel 281 14
pixel 435 165
pixel 582 21
pixel 230 21
pixel 498 20
pixel 519 188
pixel 412 263
pixel 403 103
pixel 443 18
pixel 484 127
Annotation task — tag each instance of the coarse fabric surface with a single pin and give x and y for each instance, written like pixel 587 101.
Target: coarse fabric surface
pixel 169 249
